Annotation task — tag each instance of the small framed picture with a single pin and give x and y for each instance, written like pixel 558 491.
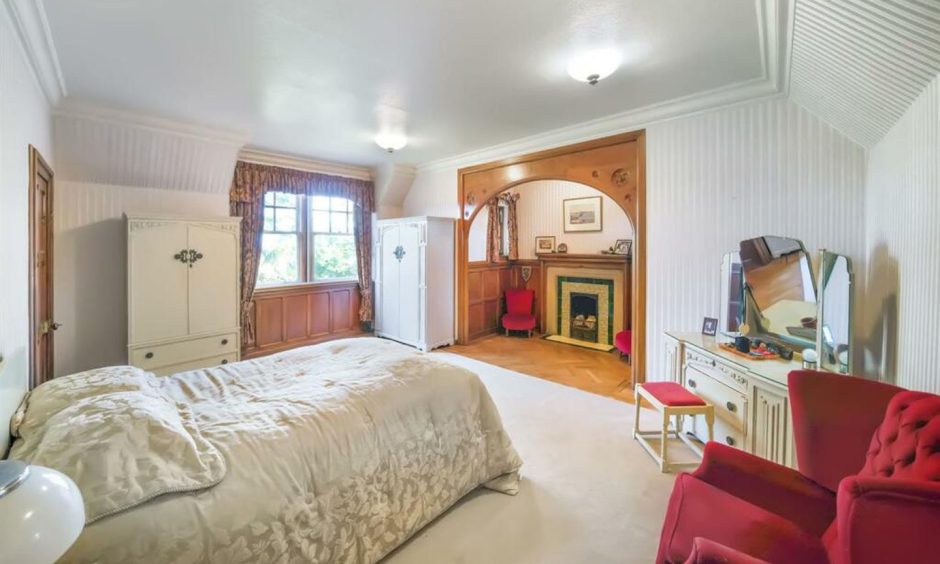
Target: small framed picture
pixel 545 244
pixel 623 247
pixel 710 326
pixel 583 214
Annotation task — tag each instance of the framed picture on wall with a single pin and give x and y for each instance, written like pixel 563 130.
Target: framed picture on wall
pixel 583 215
pixel 545 245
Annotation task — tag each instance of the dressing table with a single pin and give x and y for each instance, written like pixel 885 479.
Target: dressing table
pixel 752 410
pixel 770 294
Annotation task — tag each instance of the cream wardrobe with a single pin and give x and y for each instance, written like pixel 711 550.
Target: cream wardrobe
pixel 414 281
pixel 183 292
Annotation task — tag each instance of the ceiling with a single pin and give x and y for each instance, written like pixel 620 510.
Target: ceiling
pixel 318 78
pixel 860 64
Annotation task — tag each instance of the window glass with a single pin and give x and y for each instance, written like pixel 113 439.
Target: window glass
pixel 334 257
pixel 279 254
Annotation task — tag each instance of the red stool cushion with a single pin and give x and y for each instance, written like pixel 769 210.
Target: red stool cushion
pixel 672 394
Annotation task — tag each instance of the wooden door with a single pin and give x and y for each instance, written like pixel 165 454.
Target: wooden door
pixel 388 288
pixel 213 277
pixel 157 280
pixel 410 280
pixel 42 324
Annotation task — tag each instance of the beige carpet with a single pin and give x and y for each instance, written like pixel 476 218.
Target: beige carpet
pixel 589 493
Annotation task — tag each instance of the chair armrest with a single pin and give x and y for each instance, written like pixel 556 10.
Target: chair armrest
pixel 705 551
pixel 834 418
pixel 888 520
pixel 768 485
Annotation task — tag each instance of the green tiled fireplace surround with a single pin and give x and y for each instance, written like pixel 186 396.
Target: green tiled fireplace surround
pixel 598 286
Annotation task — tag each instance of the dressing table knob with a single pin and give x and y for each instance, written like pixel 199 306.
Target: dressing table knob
pixel 730 441
pixel 224 341
pixel 692 383
pixel 224 361
pixel 731 407
pixel 148 355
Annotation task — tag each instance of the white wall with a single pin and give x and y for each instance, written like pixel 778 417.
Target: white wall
pixel 902 208
pixel 25 119
pixel 539 212
pixel 762 168
pixel 91 264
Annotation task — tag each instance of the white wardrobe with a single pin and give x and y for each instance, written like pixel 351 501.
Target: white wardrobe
pixel 183 290
pixel 414 281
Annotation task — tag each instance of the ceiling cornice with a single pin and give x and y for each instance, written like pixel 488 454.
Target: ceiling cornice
pixel 302 163
pixel 32 28
pixel 775 19
pixel 78 110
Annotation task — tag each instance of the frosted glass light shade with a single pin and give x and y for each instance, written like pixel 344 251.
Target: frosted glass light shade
pixel 391 141
pixel 41 513
pixel 593 66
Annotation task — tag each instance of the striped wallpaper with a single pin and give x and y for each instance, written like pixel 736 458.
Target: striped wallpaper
pixel 902 323
pixel 765 168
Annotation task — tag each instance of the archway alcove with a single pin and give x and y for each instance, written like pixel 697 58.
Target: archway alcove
pixel 613 165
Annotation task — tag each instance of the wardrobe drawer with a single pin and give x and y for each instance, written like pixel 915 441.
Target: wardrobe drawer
pixel 148 357
pixel 730 404
pixel 195 364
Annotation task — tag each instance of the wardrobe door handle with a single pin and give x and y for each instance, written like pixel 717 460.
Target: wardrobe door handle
pixel 730 441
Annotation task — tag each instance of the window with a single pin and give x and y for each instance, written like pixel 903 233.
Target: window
pixel 306 239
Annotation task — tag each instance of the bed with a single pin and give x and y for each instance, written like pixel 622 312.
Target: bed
pixel 337 452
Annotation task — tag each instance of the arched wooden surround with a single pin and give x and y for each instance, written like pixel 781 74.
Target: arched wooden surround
pixel 614 165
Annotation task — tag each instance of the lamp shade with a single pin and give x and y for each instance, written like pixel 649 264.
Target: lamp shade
pixel 41 513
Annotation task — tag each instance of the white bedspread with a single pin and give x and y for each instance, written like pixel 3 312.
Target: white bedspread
pixel 335 453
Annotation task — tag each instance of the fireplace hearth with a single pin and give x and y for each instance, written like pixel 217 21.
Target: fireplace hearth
pixel 583 317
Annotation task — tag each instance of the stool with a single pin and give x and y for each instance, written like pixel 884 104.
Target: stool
pixel 670 399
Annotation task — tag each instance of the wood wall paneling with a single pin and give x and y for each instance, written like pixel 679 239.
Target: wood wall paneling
pixel 614 165
pixel 300 315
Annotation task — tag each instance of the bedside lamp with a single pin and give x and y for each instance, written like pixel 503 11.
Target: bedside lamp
pixel 41 513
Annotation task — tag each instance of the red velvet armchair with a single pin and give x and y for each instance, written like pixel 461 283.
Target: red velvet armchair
pixel 868 489
pixel 518 316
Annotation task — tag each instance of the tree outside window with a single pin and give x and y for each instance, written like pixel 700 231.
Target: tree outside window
pixel 306 239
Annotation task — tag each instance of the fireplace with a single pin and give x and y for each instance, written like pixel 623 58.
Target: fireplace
pixel 583 317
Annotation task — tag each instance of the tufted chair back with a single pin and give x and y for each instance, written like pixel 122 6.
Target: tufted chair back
pixel 907 443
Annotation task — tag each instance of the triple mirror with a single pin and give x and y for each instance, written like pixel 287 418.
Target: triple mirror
pixel 769 292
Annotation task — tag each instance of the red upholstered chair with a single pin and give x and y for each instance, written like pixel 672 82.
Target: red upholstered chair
pixel 624 343
pixel 518 316
pixel 868 489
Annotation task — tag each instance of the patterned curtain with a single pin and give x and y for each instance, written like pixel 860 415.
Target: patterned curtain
pixel 246 200
pixel 512 224
pixel 493 230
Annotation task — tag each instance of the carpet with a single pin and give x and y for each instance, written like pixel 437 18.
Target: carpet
pixel 577 343
pixel 589 493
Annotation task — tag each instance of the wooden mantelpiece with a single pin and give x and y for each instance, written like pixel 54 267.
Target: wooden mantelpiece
pixel 598 261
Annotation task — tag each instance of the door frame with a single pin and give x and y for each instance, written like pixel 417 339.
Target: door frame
pixel 39 167
pixel 614 165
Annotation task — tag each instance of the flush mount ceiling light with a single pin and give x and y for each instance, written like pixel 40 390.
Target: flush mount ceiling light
pixel 595 65
pixel 391 142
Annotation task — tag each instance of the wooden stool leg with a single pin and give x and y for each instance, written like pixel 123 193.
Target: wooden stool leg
pixel 664 464
pixel 710 421
pixel 636 419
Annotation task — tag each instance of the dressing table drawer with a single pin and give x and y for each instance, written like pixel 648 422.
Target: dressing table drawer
pixel 730 404
pixel 717 369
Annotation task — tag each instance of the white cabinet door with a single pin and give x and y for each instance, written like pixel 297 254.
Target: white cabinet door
pixel 409 316
pixel 388 278
pixel 213 278
pixel 157 300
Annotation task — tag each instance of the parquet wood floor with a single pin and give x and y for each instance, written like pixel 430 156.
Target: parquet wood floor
pixel 592 371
